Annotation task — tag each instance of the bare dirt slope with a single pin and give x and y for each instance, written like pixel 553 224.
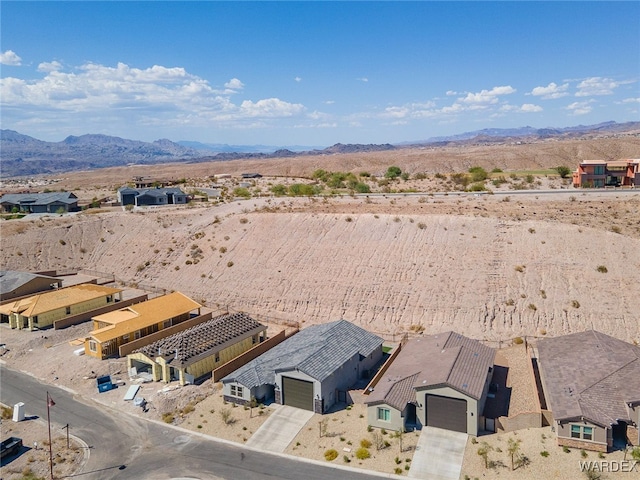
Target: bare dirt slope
pixel 482 266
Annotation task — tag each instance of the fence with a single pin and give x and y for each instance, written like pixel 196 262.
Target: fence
pixel 376 378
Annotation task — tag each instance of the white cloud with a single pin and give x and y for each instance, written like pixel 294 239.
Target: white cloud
pixel 158 96
pixel 451 93
pixel 9 57
pixel 631 100
pixel 530 108
pixel 579 108
pixel 270 107
pixel 487 97
pixel 298 79
pixel 234 84
pixel 551 91
pixel 329 102
pixel 596 86
pixel 363 79
pixel 50 66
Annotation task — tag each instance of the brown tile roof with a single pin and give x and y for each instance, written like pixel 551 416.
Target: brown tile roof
pixel 590 375
pixel 142 315
pixel 63 297
pixel 202 340
pixel 446 359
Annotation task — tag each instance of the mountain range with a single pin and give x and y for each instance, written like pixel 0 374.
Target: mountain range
pixel 22 155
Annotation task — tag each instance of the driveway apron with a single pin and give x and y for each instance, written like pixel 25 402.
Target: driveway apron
pixel 279 430
pixel 438 455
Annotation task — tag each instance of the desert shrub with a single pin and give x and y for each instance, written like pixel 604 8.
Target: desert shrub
pixel 362 188
pixel 544 453
pixel 397 471
pixel 6 413
pixel 478 174
pixel 302 190
pixel 229 264
pixel 499 181
pixel 393 172
pixel 241 192
pixel 362 453
pixel 397 460
pixel 575 303
pixel 518 341
pixel 225 413
pixel 346 459
pixel 566 449
pixel 519 268
pixel 167 417
pixel 563 171
pixel 279 190
pixel 365 443
pixel 602 269
pixel 616 229
pixel 510 302
pixel 477 187
pixel 330 455
pixel 532 307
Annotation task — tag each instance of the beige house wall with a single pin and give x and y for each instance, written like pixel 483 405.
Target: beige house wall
pixel 156 369
pixel 209 364
pixel 395 422
pixel 47 319
pixel 602 437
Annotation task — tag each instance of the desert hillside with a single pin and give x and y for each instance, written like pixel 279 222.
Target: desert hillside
pixel 491 267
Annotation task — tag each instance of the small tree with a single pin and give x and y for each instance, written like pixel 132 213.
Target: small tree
pixel 399 435
pixel 483 451
pixel 563 171
pixel 513 447
pixel 393 172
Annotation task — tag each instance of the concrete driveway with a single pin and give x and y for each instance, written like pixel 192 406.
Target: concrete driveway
pixel 438 455
pixel 278 431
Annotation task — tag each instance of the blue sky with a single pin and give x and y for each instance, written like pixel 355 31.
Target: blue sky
pixel 314 73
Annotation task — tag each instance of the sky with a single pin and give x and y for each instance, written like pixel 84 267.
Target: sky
pixel 314 73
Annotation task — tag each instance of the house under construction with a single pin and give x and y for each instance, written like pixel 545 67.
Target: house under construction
pixel 197 351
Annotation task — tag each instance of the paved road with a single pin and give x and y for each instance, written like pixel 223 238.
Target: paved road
pixel 151 450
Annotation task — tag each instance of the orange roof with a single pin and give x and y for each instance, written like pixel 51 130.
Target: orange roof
pixel 63 297
pixel 142 315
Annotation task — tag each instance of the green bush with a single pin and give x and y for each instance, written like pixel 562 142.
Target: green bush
pixel 544 453
pixel 362 453
pixel 241 192
pixel 393 172
pixel 330 455
pixel 362 188
pixel 279 190
pixel 478 174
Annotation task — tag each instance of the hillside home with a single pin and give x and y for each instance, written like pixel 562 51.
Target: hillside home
pixel 437 380
pixel 137 321
pixel 43 310
pixel 15 284
pixel 194 353
pixel 591 383
pixel 602 173
pixel 310 370
pixel 152 196
pixel 53 202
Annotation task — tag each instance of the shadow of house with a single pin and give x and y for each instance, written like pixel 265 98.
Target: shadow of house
pixel 53 202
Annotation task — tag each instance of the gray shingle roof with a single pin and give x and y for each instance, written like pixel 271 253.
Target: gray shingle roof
pixel 202 340
pixel 39 198
pixel 591 375
pixel 447 359
pixel 11 280
pixel 318 351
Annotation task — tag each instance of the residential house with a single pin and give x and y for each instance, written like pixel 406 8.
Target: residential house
pixel 437 380
pixel 602 173
pixel 113 329
pixel 152 196
pixel 194 353
pixel 53 202
pixel 15 284
pixel 44 309
pixel 311 370
pixel 591 383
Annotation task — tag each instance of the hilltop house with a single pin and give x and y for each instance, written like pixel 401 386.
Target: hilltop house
pixel 309 370
pixel 198 350
pixel 438 380
pixel 53 202
pixel 602 173
pixel 151 196
pixel 116 328
pixel 44 309
pixel 591 383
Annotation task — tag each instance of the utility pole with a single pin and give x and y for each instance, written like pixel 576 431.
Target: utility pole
pixel 50 403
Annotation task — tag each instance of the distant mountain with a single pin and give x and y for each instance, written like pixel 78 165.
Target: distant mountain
pixel 21 155
pixel 488 134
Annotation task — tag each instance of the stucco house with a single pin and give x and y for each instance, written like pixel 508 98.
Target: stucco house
pixel 137 321
pixel 15 284
pixel 437 380
pixel 52 202
pixel 42 310
pixel 310 370
pixel 591 383
pixel 603 173
pixel 195 352
pixel 152 196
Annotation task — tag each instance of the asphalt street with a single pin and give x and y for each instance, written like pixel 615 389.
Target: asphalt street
pixel 123 446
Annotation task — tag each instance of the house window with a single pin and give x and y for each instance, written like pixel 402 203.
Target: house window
pixel 109 298
pixel 125 338
pixel 236 390
pixel 384 414
pixel 35 319
pixel 582 432
pixel 598 170
pixel 93 346
pixel 68 310
pixel 166 324
pixel 217 357
pixel 136 335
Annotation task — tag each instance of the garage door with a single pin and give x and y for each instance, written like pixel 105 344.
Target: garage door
pixel 447 413
pixel 297 393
